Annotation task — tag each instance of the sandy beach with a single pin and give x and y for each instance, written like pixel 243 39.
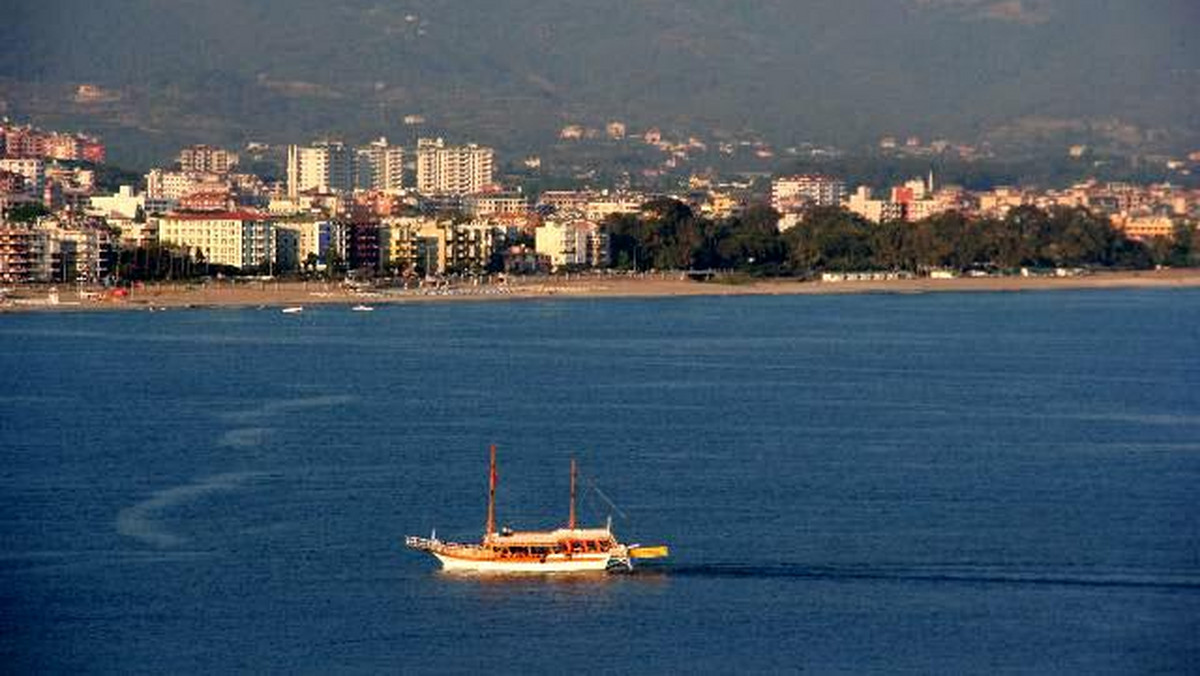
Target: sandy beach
pixel 299 294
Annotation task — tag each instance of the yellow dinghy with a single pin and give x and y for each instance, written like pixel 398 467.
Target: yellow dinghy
pixel 655 552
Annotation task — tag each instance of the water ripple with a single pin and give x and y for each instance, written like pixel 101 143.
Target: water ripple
pixel 143 521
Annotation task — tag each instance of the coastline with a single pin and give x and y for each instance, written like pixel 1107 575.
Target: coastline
pixel 282 294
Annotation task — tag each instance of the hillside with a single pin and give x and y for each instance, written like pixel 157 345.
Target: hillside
pixel 227 71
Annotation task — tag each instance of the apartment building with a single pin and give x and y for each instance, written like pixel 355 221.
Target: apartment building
pixel 205 158
pixel 795 193
pixel 323 167
pixel 453 170
pixel 74 251
pixel 32 169
pixel 573 244
pixel 309 239
pixel 30 142
pixel 1145 227
pixel 495 204
pixel 379 166
pixel 54 251
pixel 18 242
pixel 239 239
pixel 589 204
pixel 165 188
pixel 429 246
pixel 874 210
pixel 601 205
pixel 125 203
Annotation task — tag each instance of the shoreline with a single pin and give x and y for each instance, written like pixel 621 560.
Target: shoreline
pixel 284 294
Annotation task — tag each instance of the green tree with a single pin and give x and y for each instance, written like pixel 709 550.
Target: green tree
pixel 201 260
pixel 28 212
pixel 627 236
pixel 674 234
pixel 335 263
pixel 891 245
pixel 750 242
pixel 1184 250
pixel 829 239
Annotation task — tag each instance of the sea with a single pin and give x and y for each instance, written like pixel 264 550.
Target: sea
pixel 949 483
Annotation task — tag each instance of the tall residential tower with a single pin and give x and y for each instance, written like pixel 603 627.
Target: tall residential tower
pixel 379 166
pixel 453 170
pixel 326 167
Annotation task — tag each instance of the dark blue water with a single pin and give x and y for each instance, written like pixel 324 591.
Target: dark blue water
pixel 941 483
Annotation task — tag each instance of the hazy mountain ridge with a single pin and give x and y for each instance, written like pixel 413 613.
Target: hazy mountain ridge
pixel 229 71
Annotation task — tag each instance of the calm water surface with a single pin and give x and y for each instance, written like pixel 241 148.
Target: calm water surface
pixel 939 483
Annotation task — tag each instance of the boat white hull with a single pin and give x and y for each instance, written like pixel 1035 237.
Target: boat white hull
pixel 552 564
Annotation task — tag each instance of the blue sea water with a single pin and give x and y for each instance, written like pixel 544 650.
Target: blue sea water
pixel 994 483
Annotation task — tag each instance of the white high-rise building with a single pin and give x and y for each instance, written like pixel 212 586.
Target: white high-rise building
pixel 325 167
pixel 453 170
pixel 380 166
pixel 794 193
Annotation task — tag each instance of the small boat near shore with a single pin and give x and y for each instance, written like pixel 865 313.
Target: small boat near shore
pixel 362 308
pixel 295 309
pixel 569 549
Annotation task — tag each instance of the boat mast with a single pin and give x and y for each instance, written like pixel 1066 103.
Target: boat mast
pixel 491 514
pixel 571 518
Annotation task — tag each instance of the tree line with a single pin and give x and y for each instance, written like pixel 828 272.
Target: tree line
pixel 668 235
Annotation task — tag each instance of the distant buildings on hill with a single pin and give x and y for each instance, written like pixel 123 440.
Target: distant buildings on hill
pixel 25 141
pixel 207 159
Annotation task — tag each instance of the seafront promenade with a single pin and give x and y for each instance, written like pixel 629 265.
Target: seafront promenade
pixel 289 293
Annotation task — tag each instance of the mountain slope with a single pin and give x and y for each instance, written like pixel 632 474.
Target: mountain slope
pixel 847 72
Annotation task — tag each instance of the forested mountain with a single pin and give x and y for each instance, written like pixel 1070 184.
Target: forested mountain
pixel 511 72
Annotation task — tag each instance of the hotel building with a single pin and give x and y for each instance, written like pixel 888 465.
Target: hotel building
pixel 239 239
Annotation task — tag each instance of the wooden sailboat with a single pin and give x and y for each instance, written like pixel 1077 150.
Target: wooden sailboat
pixel 563 550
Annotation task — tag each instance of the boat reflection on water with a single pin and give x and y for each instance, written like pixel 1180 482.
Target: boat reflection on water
pixel 572 591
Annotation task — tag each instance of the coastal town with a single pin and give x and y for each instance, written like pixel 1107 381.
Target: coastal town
pixel 655 336
pixel 440 209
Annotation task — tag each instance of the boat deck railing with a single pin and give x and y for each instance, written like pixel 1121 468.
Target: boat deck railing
pixel 424 544
pixel 430 544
